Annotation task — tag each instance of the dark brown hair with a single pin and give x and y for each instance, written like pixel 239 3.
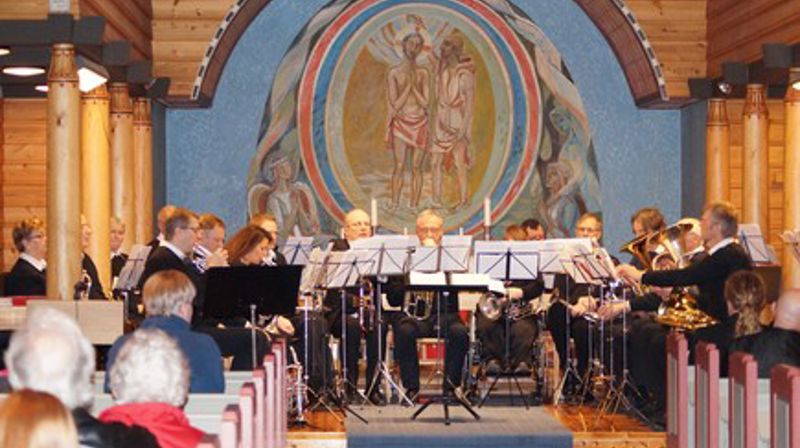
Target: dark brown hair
pixel 245 240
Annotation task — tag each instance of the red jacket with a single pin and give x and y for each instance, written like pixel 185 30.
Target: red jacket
pixel 167 423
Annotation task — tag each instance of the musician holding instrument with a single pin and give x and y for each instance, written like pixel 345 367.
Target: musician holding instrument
pixel 718 226
pixel 522 328
pixel 430 229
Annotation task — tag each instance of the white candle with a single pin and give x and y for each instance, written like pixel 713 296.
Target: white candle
pixel 405 230
pixel 341 233
pixel 374 212
pixel 461 231
pixel 487 212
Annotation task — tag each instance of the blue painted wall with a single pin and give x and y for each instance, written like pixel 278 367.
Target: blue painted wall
pixel 638 151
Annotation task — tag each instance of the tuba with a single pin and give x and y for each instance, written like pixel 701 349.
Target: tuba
pixel 418 305
pixel 492 305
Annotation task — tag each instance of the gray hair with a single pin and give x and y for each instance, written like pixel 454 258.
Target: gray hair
pixel 150 368
pixel 51 354
pixel 165 291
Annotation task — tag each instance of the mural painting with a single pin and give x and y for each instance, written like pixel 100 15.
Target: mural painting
pixel 419 104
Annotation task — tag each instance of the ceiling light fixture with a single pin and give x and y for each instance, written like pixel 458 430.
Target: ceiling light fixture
pixel 23 71
pixel 42 88
pixel 725 87
pixel 5 51
pixel 794 78
pixel 90 74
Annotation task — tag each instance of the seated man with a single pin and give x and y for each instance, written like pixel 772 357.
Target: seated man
pixel 430 229
pixel 161 222
pixel 27 276
pixel 51 354
pixel 209 251
pixel 174 253
pixel 152 401
pixel 267 222
pixel 779 344
pixel 522 330
pixel 533 229
pixel 167 298
pixel 87 264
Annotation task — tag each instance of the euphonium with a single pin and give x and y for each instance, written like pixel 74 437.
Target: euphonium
pixel 491 305
pixel 638 247
pixel 418 305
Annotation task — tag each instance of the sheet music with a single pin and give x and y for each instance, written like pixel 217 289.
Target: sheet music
pixel 314 271
pixel 134 267
pixel 340 265
pixel 297 249
pixel 490 258
pixel 474 279
pixel 550 252
pixel 417 278
pixel 455 253
pixel 394 249
pixel 511 260
pixel 425 259
pixel 753 241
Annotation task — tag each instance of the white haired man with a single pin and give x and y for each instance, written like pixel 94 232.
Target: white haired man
pixel 51 354
pixel 167 297
pixel 152 401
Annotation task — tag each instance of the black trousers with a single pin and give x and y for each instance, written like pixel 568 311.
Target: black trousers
pixel 492 334
pixel 406 335
pixel 237 342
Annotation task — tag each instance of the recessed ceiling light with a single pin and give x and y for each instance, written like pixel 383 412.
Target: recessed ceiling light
pixel 23 71
pixel 5 51
pixel 42 88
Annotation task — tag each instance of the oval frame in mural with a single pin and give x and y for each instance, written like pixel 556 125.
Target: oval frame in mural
pixel 422 104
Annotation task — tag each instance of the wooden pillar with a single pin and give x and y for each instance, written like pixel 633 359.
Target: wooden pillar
pixel 791 186
pixel 63 174
pixel 143 170
pixel 122 160
pixel 718 131
pixel 95 181
pixel 755 139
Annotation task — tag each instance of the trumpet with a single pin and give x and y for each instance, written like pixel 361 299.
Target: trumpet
pixel 418 305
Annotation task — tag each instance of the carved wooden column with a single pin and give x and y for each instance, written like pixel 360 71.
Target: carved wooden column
pixel 791 183
pixel 718 131
pixel 95 180
pixel 143 170
pixel 63 174
pixel 122 160
pixel 755 139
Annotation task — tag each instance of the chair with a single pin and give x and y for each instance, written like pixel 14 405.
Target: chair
pixel 743 400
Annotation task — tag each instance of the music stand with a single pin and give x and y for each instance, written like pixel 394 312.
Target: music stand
pixel 506 261
pixel 297 249
pixel 753 241
pixel 128 279
pixel 343 272
pixel 443 287
pixel 390 255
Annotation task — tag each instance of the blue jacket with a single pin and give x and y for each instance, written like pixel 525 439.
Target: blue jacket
pixel 205 359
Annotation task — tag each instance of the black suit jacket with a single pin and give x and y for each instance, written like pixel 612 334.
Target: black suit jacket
pixel 117 263
pixel 25 280
pixel 96 293
pixel 163 259
pixel 709 275
pixel 770 347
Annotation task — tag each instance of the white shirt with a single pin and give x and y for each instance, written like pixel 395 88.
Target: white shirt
pixel 40 265
pixel 116 253
pixel 174 249
pixel 720 245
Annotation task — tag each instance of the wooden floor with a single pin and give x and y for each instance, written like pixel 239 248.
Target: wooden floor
pixel 328 430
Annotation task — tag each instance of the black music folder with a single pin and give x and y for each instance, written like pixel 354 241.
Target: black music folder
pixel 231 290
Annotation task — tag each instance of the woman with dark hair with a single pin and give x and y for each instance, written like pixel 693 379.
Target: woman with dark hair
pixel 249 246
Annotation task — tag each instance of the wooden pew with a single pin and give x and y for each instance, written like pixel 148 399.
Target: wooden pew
pixel 246 415
pixel 677 391
pixel 743 403
pixel 707 396
pixel 229 429
pixel 785 406
pixel 209 441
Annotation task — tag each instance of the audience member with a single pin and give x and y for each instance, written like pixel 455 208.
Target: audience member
pixel 150 384
pixel 167 298
pixel 779 344
pixel 30 419
pixel 51 354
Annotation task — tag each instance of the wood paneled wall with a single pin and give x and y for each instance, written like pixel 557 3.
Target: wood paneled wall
pixel 182 32
pixel 677 31
pixel 776 147
pixel 738 28
pixel 24 189
pixel 125 20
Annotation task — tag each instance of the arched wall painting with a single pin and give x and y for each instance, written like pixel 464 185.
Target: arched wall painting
pixel 419 104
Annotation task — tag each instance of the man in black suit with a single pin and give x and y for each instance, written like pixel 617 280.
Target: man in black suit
pixel 209 251
pixel 718 227
pixel 268 222
pixel 161 222
pixel 430 229
pixel 27 277
pixel 116 237
pixel 87 264
pixel 180 232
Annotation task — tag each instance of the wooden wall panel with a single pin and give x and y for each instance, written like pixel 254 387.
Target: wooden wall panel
pixel 24 157
pixel 182 32
pixel 677 31
pixel 737 29
pixel 28 9
pixel 125 20
pixel 776 144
